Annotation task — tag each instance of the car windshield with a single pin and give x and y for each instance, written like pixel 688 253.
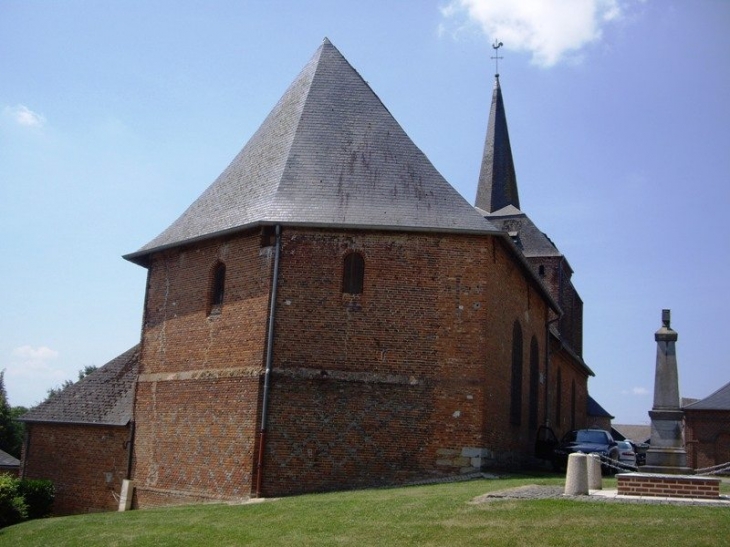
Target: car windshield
pixel 588 436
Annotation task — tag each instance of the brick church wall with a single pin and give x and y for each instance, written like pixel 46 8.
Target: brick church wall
pixel 86 464
pixel 197 397
pixel 409 379
pixel 572 413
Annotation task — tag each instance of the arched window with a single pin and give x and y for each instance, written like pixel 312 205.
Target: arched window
pixel 218 287
pixel 534 382
pixel 353 274
pixel 515 409
pixel 572 405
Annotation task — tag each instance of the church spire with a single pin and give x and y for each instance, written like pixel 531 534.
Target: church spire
pixel 497 181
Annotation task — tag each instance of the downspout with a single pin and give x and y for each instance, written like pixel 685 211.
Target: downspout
pixel 269 360
pixel 547 367
pixel 130 446
pixel 547 341
pixel 24 451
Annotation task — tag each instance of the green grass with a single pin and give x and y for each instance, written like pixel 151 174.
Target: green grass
pixel 423 515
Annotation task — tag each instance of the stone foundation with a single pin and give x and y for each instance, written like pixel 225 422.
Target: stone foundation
pixel 665 486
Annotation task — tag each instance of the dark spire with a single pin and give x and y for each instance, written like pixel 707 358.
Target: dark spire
pixel 497 181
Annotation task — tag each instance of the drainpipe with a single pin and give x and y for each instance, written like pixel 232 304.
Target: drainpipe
pixel 269 359
pixel 547 367
pixel 130 446
pixel 24 451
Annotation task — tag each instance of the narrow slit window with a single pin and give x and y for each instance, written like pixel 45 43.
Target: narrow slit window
pixel 515 415
pixel 353 274
pixel 219 286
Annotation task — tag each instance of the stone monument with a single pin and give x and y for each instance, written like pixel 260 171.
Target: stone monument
pixel 666 453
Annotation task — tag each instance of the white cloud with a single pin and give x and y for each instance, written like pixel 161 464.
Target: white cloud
pixel 551 30
pixel 639 391
pixel 22 115
pixel 31 354
pixel 30 373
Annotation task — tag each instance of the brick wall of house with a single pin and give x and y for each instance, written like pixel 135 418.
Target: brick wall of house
pixel 196 404
pixel 86 463
pixel 707 437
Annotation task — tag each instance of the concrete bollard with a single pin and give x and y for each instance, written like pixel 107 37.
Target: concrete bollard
pixel 576 478
pixel 595 478
pixel 125 499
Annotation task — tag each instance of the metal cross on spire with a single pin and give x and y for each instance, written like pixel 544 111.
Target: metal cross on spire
pixel 496 45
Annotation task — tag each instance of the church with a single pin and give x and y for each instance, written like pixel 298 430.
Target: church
pixel 329 314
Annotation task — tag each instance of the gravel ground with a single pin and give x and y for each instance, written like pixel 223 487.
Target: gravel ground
pixel 537 492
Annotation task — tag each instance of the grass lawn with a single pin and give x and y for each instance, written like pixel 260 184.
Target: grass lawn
pixel 421 515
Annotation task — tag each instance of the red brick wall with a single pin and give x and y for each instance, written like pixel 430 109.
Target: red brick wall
pixel 197 396
pixel 707 437
pixel 407 380
pixel 638 484
pixel 86 464
pixel 569 372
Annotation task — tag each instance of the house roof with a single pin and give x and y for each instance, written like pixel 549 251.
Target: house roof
pixel 720 400
pixel 497 180
pixel 6 460
pixel 329 154
pixel 636 433
pixel 595 410
pixel 104 397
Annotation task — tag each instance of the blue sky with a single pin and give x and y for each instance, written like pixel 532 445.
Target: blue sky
pixel 115 116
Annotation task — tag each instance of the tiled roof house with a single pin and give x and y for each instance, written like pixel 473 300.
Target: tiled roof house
pixel 707 429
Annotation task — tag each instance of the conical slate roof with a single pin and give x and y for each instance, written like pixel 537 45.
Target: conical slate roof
pixel 497 180
pixel 328 154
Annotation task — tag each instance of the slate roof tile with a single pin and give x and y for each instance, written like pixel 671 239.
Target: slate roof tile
pixel 329 154
pixel 720 400
pixel 106 396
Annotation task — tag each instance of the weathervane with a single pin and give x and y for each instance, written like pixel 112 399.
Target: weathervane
pixel 496 45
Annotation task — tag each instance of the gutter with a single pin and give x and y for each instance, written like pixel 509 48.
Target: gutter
pixel 269 361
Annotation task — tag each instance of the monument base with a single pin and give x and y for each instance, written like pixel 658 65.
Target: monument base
pixel 667 486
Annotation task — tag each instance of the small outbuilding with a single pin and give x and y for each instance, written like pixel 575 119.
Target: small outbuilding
pixel 707 430
pixel 80 439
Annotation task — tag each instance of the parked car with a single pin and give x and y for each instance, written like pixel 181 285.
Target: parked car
pixel 626 453
pixel 588 441
pixel 640 449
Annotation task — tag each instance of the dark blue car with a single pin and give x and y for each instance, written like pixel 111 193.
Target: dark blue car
pixel 588 441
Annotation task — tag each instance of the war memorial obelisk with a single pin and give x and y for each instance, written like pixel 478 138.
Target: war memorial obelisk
pixel 666 453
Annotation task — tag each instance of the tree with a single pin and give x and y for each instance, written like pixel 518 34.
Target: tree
pixel 84 372
pixel 7 427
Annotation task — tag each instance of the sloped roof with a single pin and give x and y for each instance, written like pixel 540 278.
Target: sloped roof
pixel 533 241
pixel 497 179
pixel 636 433
pixel 6 460
pixel 104 397
pixel 596 410
pixel 329 154
pixel 720 400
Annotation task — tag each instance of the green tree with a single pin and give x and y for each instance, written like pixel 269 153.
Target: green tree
pixel 7 427
pixel 88 369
